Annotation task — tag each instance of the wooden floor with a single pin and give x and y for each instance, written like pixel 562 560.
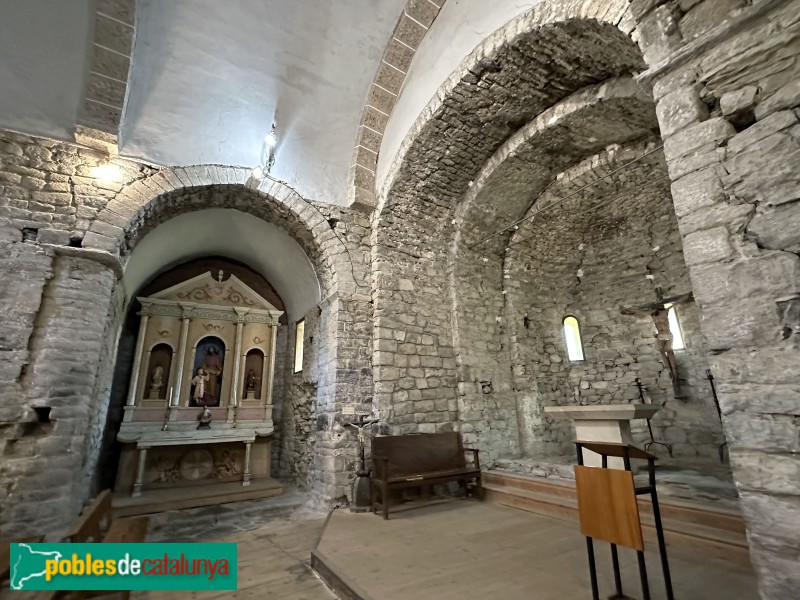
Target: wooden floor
pixel 464 550
pixel 456 549
pixel 273 564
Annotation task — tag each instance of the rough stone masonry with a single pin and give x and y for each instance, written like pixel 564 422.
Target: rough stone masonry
pixel 430 326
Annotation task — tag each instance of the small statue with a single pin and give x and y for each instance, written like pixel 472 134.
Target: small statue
pixel 156 381
pixel 212 368
pixel 199 383
pixel 659 312
pixel 157 377
pixel 204 418
pixel 251 380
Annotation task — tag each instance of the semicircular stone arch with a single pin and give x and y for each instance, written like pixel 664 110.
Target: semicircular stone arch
pixel 513 180
pixel 144 204
pixel 531 65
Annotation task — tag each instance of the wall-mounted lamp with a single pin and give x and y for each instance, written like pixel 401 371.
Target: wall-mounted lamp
pixel 267 154
pixel 107 172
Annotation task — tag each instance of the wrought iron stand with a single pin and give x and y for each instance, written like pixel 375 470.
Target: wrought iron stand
pixel 361 493
pixel 652 441
pixel 627 452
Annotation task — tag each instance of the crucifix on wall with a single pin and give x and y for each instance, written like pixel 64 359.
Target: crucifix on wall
pixel 659 312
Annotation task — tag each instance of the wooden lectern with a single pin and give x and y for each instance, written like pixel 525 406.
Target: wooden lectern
pixel 609 511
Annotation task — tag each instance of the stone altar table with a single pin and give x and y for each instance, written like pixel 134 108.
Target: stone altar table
pixel 603 423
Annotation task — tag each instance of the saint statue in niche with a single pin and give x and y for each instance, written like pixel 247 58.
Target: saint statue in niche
pixel 157 377
pixel 156 381
pixel 251 380
pixel 209 356
pixel 199 382
pixel 212 366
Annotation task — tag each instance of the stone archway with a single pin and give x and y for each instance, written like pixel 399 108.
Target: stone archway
pixel 534 63
pixel 167 194
pixel 129 215
pixel 513 180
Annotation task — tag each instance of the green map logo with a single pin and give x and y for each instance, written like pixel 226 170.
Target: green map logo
pixel 141 566
pixel 29 564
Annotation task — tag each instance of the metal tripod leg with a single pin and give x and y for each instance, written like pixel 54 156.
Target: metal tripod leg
pixel 643 575
pixel 592 569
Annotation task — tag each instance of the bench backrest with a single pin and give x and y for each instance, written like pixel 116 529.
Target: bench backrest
pixel 420 453
pixel 94 521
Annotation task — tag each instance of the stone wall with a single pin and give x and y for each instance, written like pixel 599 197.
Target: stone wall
pixel 47 465
pixel 63 293
pixel 427 283
pixel 724 76
pixel 57 330
pixel 728 108
pixel 298 410
pixel 588 248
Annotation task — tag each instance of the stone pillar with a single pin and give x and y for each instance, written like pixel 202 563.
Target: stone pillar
pixel 727 109
pixel 237 352
pixel 69 370
pixel 274 335
pixel 137 360
pixel 246 473
pixel 181 357
pixel 137 485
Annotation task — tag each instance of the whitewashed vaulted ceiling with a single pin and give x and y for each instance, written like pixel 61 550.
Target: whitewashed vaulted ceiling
pixel 208 79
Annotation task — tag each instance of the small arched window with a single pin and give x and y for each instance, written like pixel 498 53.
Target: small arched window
pixel 572 335
pixel 675 329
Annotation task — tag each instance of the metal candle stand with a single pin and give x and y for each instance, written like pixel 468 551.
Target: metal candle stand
pixel 722 446
pixel 627 452
pixel 652 441
pixel 361 493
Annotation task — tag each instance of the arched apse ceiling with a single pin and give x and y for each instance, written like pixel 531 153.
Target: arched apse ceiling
pixel 460 27
pixel 264 247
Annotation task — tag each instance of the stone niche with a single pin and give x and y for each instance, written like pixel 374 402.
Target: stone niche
pixel 205 346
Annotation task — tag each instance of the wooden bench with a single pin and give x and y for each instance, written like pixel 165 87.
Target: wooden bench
pixel 96 524
pixel 403 461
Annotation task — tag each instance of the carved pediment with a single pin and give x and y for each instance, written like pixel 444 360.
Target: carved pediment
pixel 204 289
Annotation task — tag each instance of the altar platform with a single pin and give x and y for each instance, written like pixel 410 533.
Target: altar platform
pixel 466 549
pixel 192 496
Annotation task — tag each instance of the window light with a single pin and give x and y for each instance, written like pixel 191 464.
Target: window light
pixel 572 335
pixel 675 328
pixel 299 332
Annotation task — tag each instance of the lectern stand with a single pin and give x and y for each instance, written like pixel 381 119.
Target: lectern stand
pixel 608 511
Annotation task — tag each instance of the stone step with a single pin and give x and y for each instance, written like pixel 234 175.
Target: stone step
pixel 683 509
pixel 708 528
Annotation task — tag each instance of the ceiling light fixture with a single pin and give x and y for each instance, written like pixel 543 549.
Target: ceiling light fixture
pixel 268 150
pixel 267 155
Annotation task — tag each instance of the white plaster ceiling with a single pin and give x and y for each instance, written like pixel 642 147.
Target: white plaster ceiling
pixel 459 28
pixel 43 53
pixel 263 247
pixel 209 78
